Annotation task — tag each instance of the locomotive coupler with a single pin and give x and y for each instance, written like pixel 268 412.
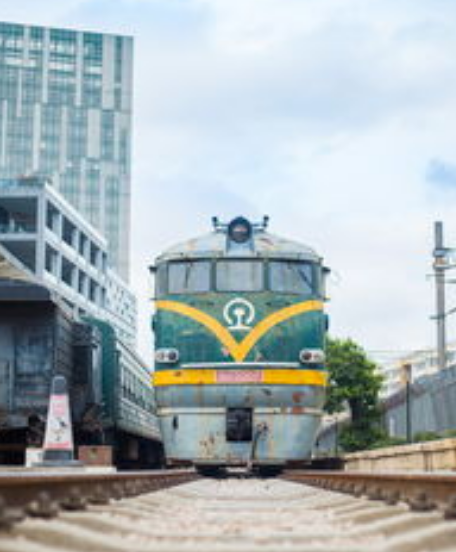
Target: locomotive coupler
pixel 259 430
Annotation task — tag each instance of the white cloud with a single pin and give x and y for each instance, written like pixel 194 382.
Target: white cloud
pixel 44 12
pixel 326 114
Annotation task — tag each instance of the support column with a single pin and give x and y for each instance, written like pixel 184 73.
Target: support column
pixel 439 271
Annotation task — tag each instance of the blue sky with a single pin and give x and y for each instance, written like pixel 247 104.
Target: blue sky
pixel 335 117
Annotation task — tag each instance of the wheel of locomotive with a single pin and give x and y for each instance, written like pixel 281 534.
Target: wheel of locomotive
pixel 268 471
pixel 211 471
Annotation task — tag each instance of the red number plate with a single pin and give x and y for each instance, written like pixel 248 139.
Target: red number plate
pixel 239 376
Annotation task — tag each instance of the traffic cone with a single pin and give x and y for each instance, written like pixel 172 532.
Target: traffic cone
pixel 58 439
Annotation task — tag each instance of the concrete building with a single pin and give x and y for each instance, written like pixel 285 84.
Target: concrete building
pixel 45 238
pixel 422 363
pixel 65 115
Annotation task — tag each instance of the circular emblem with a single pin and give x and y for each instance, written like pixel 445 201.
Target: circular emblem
pixel 239 314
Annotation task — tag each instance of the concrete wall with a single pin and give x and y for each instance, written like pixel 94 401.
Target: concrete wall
pixel 430 456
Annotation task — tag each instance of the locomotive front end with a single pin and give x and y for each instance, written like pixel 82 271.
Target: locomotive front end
pixel 239 334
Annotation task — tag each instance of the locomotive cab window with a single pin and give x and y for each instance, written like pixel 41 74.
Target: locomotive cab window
pixel 292 277
pixel 160 280
pixel 240 275
pixel 189 277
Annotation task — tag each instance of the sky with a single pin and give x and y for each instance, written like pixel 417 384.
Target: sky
pixel 337 118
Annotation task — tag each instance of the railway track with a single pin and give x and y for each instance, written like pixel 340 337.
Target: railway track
pixel 235 514
pixel 422 492
pixel 45 494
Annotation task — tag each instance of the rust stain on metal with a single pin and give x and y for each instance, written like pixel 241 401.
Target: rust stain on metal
pixel 208 446
pixel 298 397
pixel 234 458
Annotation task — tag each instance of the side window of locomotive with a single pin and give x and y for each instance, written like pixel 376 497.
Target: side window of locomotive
pixel 324 274
pixel 240 275
pixel 189 277
pixel 292 277
pixel 160 280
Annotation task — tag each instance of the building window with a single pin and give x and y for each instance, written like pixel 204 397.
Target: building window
pixel 83 242
pixel 68 233
pixel 68 272
pixel 18 216
pixel 103 298
pixel 94 252
pixel 52 218
pixel 82 283
pixel 93 291
pixel 51 260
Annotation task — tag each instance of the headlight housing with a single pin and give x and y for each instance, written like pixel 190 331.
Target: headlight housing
pixel 167 356
pixel 312 356
pixel 240 230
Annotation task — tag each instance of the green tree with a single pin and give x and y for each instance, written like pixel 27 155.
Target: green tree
pixel 353 381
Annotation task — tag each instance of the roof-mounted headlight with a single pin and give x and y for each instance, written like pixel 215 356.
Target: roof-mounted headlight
pixel 167 356
pixel 312 356
pixel 240 230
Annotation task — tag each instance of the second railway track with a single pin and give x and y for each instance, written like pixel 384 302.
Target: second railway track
pixel 421 491
pixel 236 514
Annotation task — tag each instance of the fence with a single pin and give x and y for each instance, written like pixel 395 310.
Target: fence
pixel 432 409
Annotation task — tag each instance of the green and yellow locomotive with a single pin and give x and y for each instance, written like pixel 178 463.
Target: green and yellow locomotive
pixel 239 336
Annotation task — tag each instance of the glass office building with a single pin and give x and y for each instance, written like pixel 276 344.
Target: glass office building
pixel 65 115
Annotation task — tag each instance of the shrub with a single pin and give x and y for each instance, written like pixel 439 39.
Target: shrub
pixel 423 436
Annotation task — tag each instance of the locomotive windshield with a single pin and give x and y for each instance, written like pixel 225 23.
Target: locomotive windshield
pixel 245 275
pixel 189 277
pixel 292 277
pixel 237 275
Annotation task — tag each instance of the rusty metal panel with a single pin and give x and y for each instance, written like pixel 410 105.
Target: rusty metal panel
pixel 199 434
pixel 241 395
pixel 100 455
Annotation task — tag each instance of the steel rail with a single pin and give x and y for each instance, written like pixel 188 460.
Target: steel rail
pixel 44 494
pixel 423 492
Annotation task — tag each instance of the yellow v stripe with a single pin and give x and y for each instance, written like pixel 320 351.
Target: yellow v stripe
pixel 272 320
pixel 206 320
pixel 239 351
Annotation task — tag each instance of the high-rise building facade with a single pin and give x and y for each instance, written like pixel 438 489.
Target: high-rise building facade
pixel 65 115
pixel 44 239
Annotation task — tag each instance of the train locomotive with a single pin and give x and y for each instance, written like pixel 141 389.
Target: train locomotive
pixel 111 398
pixel 239 348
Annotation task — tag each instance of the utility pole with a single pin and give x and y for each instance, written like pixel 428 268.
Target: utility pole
pixel 440 264
pixel 407 378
